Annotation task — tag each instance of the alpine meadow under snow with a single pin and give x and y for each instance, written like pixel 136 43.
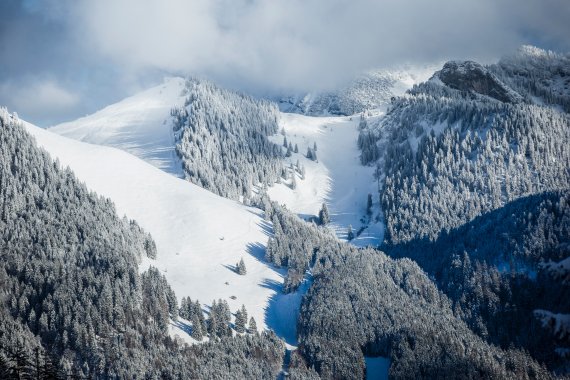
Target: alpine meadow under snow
pixel 414 223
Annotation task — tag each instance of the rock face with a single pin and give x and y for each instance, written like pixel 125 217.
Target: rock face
pixel 471 76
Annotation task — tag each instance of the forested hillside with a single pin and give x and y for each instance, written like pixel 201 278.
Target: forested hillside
pixel 538 75
pixel 73 302
pixel 363 303
pixel 374 306
pixel 221 138
pixel 474 174
pixel 448 155
pixel 497 271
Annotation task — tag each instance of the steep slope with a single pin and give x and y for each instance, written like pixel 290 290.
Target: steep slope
pixel 336 177
pixel 192 129
pixel 72 301
pixel 140 125
pixel 68 270
pixel 199 236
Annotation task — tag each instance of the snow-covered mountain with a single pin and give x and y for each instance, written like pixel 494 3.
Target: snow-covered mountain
pixel 336 177
pixel 467 173
pixel 474 185
pixel 199 236
pixel 76 301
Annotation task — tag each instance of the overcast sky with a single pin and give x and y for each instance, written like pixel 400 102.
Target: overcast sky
pixel 61 59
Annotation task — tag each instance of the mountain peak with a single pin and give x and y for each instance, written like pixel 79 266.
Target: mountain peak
pixel 472 76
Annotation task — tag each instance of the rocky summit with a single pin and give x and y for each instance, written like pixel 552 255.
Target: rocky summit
pixel 471 76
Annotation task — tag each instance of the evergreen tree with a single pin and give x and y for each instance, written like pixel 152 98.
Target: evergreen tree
pixel 252 326
pixel 197 309
pixel 324 217
pixel 196 327
pixel 285 145
pixel 362 123
pixel 244 314
pixel 315 146
pixel 241 269
pixel 182 311
pixel 296 150
pixel 241 320
pixel 369 204
pixel 213 325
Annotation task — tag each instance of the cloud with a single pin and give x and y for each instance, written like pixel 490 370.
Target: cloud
pixel 103 50
pixel 41 99
pixel 302 44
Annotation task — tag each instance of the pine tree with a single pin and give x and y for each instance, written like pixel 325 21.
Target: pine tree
pixel 197 309
pixel 189 309
pixel 324 217
pixel 294 181
pixel 241 269
pixel 196 327
pixel 252 326
pixel 296 150
pixel 289 151
pixel 182 311
pixel 225 319
pixel 369 204
pixel 285 145
pixel 315 146
pixel 240 322
pixel 244 313
pixel 310 153
pixel 183 308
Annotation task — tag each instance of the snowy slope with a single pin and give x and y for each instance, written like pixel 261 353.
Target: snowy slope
pixel 337 178
pixel 140 124
pixel 199 236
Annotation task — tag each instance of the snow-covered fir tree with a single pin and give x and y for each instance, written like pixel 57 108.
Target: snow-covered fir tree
pixel 241 269
pixel 324 216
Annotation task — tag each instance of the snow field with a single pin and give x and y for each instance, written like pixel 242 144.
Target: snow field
pixel 336 178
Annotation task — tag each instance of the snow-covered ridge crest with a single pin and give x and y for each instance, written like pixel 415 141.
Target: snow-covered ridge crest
pixel 140 124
